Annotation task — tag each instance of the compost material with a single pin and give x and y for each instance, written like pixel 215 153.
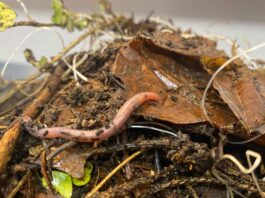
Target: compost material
pixel 181 152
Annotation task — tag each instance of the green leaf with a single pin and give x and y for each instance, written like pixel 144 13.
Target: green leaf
pixel 43 60
pixel 61 182
pixel 68 19
pixel 27 54
pixel 86 178
pixel 81 24
pixel 58 12
pixel 7 16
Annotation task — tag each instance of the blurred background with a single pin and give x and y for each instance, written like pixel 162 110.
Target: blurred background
pixel 240 20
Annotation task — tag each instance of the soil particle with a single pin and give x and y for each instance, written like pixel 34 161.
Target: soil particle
pixel 76 97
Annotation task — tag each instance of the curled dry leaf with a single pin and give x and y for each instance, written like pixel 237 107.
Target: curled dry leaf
pixel 171 66
pixel 244 91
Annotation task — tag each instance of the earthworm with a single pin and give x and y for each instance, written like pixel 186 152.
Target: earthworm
pixel 99 134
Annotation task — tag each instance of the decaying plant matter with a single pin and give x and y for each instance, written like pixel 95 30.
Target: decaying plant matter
pixel 175 136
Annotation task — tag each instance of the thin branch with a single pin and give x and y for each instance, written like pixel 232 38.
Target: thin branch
pixel 26 99
pixel 60 149
pixel 3 127
pixel 19 185
pixel 97 187
pixel 33 24
pixel 165 143
pixel 44 172
pixel 77 41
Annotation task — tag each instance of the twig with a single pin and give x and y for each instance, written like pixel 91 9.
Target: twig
pixel 77 41
pixel 10 93
pixel 19 185
pixel 151 184
pixel 18 87
pixel 9 139
pixel 60 149
pixel 48 163
pixel 165 143
pixel 24 100
pixel 97 187
pixel 192 191
pixel 33 24
pixel 13 90
pixel 44 172
pixel 177 182
pixel 3 127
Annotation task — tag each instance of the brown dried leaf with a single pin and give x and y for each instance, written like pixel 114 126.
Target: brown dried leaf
pixel 244 91
pixel 70 161
pixel 170 66
pixel 193 47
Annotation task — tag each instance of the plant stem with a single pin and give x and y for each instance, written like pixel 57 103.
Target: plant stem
pixel 33 24
pixel 77 41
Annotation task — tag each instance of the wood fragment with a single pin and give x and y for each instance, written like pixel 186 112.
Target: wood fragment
pixel 10 137
pixel 44 171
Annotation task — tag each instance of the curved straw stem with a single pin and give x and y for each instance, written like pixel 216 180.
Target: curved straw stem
pixel 244 170
pixel 25 9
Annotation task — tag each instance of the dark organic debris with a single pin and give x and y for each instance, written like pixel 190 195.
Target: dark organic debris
pixel 179 151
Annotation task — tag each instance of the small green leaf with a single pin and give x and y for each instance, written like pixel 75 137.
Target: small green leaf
pixel 27 54
pixel 43 60
pixel 81 24
pixel 61 182
pixel 58 12
pixel 7 16
pixel 86 178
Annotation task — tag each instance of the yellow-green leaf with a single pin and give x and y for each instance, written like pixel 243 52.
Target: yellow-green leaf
pixel 58 12
pixel 7 16
pixel 83 181
pixel 43 60
pixel 62 183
